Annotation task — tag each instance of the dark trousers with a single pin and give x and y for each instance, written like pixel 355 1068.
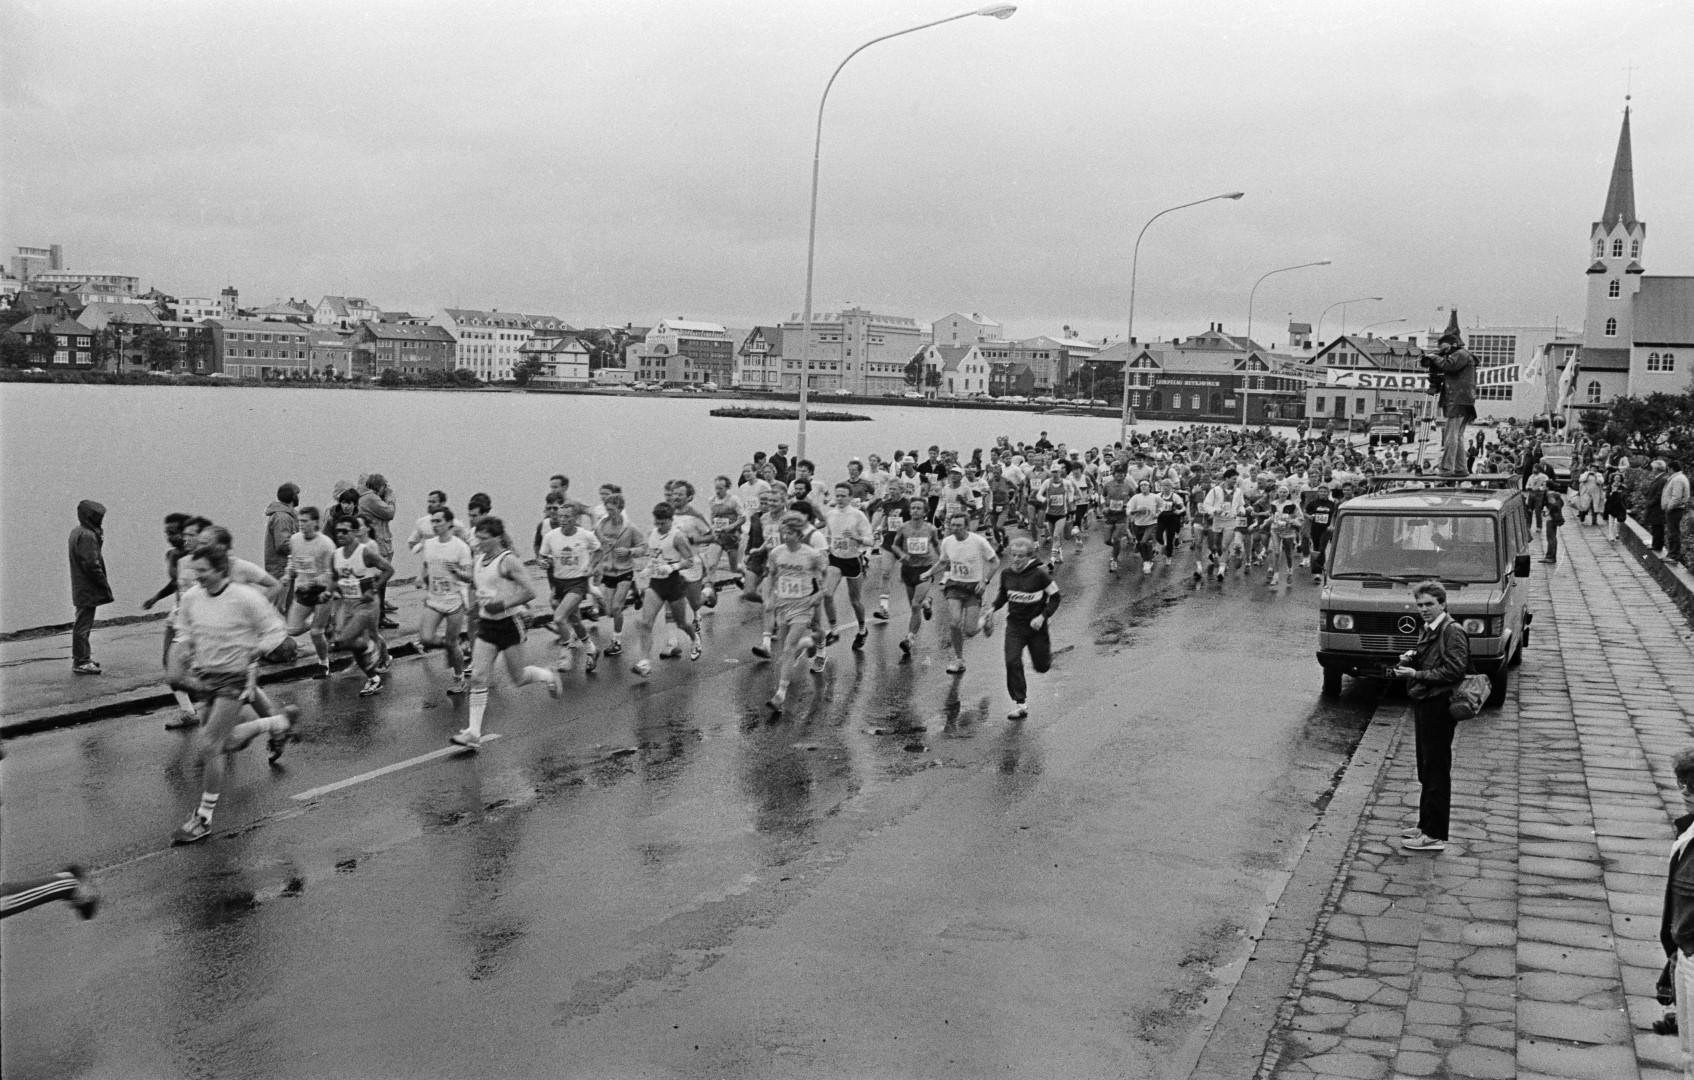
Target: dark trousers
pixel 1320 540
pixel 80 629
pixel 1552 541
pixel 1673 533
pixel 1019 636
pixel 1656 526
pixel 1435 763
pixel 1170 532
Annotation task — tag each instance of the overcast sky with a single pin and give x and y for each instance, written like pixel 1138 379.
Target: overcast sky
pixel 627 160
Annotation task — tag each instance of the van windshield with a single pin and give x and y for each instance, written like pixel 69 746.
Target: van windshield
pixel 1442 546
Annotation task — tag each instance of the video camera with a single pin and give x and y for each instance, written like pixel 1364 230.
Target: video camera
pixel 1437 377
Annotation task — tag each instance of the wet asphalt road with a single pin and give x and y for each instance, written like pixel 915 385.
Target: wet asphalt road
pixel 653 879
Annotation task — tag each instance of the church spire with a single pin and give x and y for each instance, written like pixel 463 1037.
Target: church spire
pixel 1620 196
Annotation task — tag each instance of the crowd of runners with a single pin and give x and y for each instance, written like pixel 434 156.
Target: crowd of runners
pixel 956 536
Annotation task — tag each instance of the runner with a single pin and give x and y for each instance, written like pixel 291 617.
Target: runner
pixel 502 590
pixel 1143 523
pixel 446 572
pixel 359 570
pixel 1116 492
pixel 567 554
pixel 310 573
pixel 226 627
pixel 728 521
pixel 669 555
pixel 968 563
pixel 180 533
pixel 1030 592
pixel 614 566
pixel 797 573
pixel 1172 508
pixel 850 537
pixel 918 547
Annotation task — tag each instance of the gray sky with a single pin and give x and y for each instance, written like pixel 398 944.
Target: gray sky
pixel 626 160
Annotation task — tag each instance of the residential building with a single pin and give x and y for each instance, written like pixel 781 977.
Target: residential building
pixel 93 292
pixel 1363 374
pixel 30 261
pixel 1638 337
pixel 488 341
pixel 957 329
pixel 98 316
pixel 344 312
pixel 854 350
pixel 118 326
pixel 563 356
pixel 198 309
pixel 408 350
pixel 1011 380
pixel 954 371
pixel 330 352
pixel 256 349
pixel 684 351
pixel 290 310
pixel 1211 377
pixel 60 342
pixel 121 285
pixel 192 342
pixel 10 287
pixel 1054 363
pixel 758 362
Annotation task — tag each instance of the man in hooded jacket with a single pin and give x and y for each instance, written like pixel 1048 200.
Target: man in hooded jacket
pixel 1458 400
pixel 89 587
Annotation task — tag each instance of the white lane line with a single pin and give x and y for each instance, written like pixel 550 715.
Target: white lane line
pixel 385 770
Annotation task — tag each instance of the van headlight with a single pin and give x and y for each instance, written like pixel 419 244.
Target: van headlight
pixel 1342 621
pixel 1492 625
pixel 1475 626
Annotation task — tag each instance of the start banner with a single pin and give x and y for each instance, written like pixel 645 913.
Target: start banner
pixel 1403 381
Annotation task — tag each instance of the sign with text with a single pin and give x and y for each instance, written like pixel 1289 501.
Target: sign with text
pixel 1407 381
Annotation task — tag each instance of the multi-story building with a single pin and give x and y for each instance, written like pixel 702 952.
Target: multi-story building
pixel 488 341
pixel 758 362
pixel 954 371
pixel 290 310
pixel 195 309
pixel 1212 377
pixel 685 351
pixel 1638 337
pixel 344 312
pixel 1053 363
pixel 854 350
pixel 1509 384
pixel 30 261
pixel 60 342
pixel 408 350
pixel 1362 374
pixel 122 285
pixel 563 357
pixel 957 329
pixel 255 349
pixel 330 352
pixel 192 342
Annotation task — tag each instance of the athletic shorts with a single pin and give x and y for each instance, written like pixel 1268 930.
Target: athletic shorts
pixel 563 587
pixel 911 575
pixel 729 539
pixel 612 581
pixel 353 617
pixel 217 684
pixel 1116 517
pixel 795 614
pixel 962 591
pixel 502 633
pixel 668 588
pixel 849 567
pixel 447 603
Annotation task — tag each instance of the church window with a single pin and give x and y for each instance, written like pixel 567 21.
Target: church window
pixel 1594 392
pixel 1611 328
pixel 1635 249
pixel 1599 249
pixel 1617 249
pixel 1614 290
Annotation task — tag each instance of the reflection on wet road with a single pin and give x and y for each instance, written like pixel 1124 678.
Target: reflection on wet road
pixel 657 878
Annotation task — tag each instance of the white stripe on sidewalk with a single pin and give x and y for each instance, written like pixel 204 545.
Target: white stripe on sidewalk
pixel 386 769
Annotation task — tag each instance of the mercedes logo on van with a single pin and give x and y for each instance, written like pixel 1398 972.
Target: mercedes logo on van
pixel 1408 624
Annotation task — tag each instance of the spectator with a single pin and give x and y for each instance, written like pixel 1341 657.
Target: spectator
pixel 376 505
pixel 282 520
pixel 1674 501
pixel 1676 925
pixel 1653 499
pixel 89 585
pixel 1432 671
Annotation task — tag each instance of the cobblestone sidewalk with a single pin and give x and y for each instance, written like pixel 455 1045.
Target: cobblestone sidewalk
pixel 1529 948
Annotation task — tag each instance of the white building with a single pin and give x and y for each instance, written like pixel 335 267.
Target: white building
pixel 488 341
pixel 854 350
pixel 955 370
pixel 958 329
pixel 193 309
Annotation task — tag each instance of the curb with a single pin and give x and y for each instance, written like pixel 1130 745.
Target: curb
pixel 1677 583
pixel 1258 987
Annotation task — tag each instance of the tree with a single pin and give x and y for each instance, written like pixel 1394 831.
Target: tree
pixel 389 377
pixel 605 346
pixel 16 351
pixel 527 370
pixel 1656 424
pixel 156 349
pixel 914 371
pixel 465 377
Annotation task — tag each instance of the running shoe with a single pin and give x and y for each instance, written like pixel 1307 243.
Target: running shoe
pixel 383 665
pixel 1420 842
pixel 928 609
pixel 709 597
pixel 459 685
pixel 906 645
pixel 563 664
pixel 373 685
pixel 819 663
pixel 195 828
pixel 859 640
pixel 957 667
pixel 1146 568
pixel 555 685
pixel 778 700
pixel 87 667
pixel 832 637
pixel 324 671
pixel 1113 566
pixel 279 740
pixel 1317 579
pixel 763 649
pixel 1410 833
pixel 695 652
pixel 1019 712
pixel 880 615
pixel 643 668
pixel 388 624
pixel 183 720
pixel 86 898
pixel 614 648
pixel 467 738
pixel 670 652
pixel 590 659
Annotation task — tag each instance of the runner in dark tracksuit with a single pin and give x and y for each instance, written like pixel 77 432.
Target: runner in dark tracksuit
pixel 1029 590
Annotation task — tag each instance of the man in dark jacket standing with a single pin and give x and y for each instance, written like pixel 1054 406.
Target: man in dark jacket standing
pixel 282 521
pixel 89 587
pixel 1432 671
pixel 1458 398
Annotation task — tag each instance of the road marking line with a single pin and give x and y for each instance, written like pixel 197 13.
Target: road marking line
pixel 385 770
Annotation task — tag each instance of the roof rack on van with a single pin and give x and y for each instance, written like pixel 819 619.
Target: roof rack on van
pixel 1430 481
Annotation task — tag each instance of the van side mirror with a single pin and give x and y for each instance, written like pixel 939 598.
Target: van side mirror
pixel 1521 566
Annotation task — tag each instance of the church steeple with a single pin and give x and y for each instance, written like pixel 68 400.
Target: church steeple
pixel 1620 196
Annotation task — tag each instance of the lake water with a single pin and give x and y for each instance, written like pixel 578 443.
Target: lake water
pixel 222 451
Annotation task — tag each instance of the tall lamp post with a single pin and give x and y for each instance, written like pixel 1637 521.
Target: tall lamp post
pixel 1134 263
pixel 1342 304
pixel 997 11
pixel 1384 322
pixel 1266 274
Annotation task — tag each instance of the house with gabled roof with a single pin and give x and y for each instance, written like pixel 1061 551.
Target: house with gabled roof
pixel 59 341
pixel 955 371
pixel 344 312
pixel 758 360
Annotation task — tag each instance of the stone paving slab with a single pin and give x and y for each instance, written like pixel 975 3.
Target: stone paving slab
pixel 1529 948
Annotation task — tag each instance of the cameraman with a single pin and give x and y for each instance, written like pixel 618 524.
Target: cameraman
pixel 1457 387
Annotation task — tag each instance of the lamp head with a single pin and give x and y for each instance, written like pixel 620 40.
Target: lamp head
pixel 1321 262
pixel 1235 195
pixel 998 11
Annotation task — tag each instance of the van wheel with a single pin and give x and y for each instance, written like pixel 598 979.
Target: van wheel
pixel 1496 689
pixel 1517 653
pixel 1331 682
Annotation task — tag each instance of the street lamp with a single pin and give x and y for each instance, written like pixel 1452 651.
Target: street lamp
pixel 1134 263
pixel 1342 304
pixel 1384 322
pixel 997 11
pixel 1266 274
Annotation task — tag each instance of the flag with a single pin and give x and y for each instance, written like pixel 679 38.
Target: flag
pixel 1567 383
pixel 1536 370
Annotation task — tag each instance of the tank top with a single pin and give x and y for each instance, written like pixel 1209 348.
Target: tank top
pixel 487 577
pixel 351 574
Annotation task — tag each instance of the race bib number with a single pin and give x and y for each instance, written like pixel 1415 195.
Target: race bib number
pixel 570 564
pixel 844 546
pixel 961 571
pixel 790 588
pixel 1115 505
pixel 662 570
pixel 723 524
pixel 917 545
pixel 349 588
pixel 442 586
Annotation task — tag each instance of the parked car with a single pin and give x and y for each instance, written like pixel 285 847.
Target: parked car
pixel 913 394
